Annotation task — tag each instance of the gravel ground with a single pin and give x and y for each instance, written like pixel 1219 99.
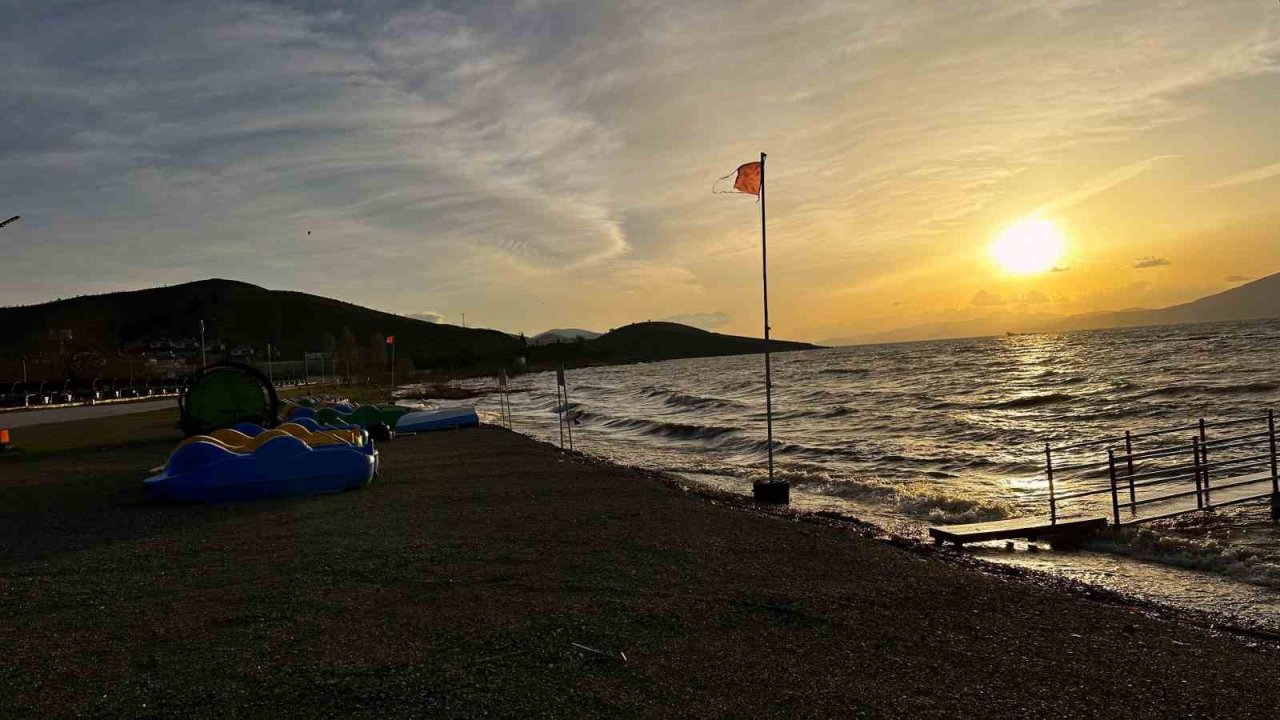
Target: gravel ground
pixel 487 574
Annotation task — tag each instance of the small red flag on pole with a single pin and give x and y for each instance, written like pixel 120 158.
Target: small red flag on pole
pixel 391 340
pixel 749 179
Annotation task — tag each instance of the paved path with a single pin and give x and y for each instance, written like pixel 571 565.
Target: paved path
pixel 25 418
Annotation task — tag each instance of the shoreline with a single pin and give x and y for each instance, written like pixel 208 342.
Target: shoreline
pixel 840 522
pixel 488 572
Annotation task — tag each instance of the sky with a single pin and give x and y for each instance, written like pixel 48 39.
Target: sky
pixel 549 163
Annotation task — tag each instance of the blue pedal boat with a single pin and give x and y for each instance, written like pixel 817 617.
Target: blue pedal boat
pixel 281 467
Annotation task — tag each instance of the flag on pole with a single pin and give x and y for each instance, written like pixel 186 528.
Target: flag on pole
pixel 391 339
pixel 749 179
pixel 746 179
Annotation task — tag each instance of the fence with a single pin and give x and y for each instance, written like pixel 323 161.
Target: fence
pixel 1163 473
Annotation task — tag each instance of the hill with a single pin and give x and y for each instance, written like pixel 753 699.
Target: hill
pixel 666 340
pixel 650 341
pixel 1255 300
pixel 240 314
pixel 562 335
pixel 240 317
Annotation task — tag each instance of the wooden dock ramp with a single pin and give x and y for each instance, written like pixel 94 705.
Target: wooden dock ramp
pixel 1065 531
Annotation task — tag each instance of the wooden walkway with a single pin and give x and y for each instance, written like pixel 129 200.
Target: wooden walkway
pixel 1067 530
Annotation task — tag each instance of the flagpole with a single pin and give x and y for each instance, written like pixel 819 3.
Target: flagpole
pixel 772 491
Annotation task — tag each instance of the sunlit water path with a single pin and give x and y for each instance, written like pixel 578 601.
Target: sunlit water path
pixel 910 434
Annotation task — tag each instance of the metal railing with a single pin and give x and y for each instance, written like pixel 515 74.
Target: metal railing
pixel 1154 470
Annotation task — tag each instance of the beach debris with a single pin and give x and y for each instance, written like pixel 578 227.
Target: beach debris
pixel 601 653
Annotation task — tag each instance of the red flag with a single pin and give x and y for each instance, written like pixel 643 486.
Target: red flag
pixel 746 179
pixel 391 339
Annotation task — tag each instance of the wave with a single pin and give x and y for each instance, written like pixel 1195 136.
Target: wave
pixel 845 371
pixel 921 500
pixel 837 411
pixel 1029 401
pixel 1239 562
pixel 1175 391
pixel 672 430
pixel 1025 401
pixel 673 398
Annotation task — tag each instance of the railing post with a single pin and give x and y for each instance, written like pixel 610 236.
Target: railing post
pixel 1128 449
pixel 1048 471
pixel 1115 498
pixel 1205 474
pixel 1275 477
pixel 1195 454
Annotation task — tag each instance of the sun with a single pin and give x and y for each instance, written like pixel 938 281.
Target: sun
pixel 1029 247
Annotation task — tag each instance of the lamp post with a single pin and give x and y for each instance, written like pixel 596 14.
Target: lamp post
pixel 203 362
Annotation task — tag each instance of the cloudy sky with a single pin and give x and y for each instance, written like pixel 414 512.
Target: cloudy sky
pixel 549 163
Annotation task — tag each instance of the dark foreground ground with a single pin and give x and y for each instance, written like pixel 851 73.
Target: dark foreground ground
pixel 470 580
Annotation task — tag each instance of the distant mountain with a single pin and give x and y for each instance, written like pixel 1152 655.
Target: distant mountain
pixel 1256 300
pixel 996 323
pixel 562 335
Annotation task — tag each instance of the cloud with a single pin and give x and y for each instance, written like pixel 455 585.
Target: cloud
pixel 1101 184
pixel 1263 173
pixel 1148 261
pixel 1033 297
pixel 706 321
pixel 428 316
pixel 986 299
pixel 1236 278
pixel 1059 269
